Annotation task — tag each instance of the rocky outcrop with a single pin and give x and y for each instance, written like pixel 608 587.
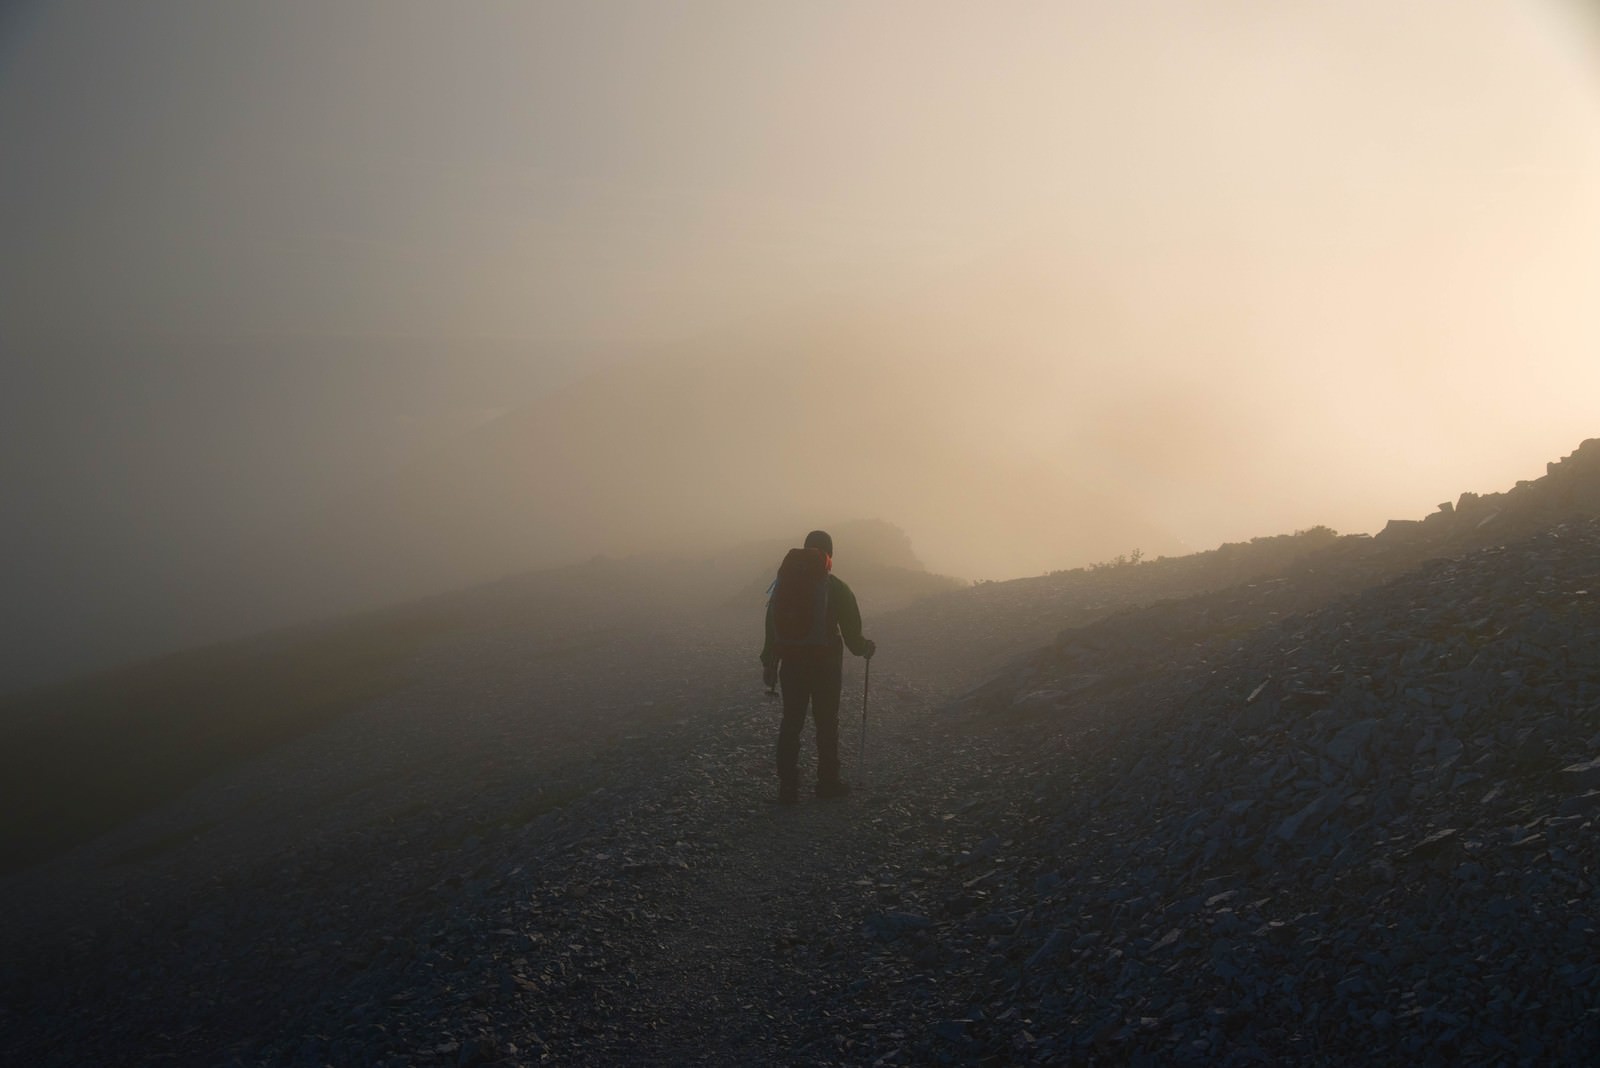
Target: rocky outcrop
pixel 1367 827
pixel 1569 488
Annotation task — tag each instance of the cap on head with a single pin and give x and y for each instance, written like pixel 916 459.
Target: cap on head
pixel 820 539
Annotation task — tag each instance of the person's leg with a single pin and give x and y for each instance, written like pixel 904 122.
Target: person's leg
pixel 796 681
pixel 825 706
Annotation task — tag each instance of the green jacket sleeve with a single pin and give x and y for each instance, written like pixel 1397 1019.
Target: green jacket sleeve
pixel 849 616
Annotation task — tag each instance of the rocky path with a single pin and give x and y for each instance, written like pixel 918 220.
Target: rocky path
pixel 611 886
pixel 684 919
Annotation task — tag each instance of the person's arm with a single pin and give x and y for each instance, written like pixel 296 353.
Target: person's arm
pixel 849 615
pixel 769 648
pixel 769 652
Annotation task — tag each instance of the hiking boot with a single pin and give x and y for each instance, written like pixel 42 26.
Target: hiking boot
pixel 788 793
pixel 832 788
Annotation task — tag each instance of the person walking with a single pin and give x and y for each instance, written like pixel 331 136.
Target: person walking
pixel 812 617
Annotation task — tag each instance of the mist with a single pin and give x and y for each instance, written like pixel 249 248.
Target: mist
pixel 308 310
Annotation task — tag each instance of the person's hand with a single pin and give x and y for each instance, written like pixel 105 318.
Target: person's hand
pixel 872 647
pixel 769 675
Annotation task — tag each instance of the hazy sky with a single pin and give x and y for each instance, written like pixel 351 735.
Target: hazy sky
pixel 1256 265
pixel 567 172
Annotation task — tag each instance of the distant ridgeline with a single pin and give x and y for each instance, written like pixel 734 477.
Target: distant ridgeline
pixel 1240 587
pixel 1570 488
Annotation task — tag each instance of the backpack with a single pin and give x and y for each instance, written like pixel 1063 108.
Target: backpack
pixel 800 602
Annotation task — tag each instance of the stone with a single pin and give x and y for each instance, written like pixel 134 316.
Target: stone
pixel 1581 776
pixel 1048 951
pixel 1309 816
pixel 1581 805
pixel 981 852
pixel 1349 742
pixel 892 925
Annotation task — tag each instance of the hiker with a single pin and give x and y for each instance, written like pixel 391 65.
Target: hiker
pixel 811 617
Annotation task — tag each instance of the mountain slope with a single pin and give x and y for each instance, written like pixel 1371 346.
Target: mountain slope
pixel 1340 810
pixel 79 758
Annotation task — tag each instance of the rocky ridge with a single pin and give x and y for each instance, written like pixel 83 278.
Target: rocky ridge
pixel 1366 828
pixel 1339 810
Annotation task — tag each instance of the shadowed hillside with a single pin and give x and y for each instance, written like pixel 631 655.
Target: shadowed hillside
pixel 79 758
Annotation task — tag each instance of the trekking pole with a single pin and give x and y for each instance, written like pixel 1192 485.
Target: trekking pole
pixel 861 756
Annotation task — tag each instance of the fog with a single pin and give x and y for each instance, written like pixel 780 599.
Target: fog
pixel 309 308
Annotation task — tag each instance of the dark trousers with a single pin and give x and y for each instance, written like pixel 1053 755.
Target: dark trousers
pixel 814 681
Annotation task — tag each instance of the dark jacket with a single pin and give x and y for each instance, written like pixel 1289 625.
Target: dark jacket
pixel 843 623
